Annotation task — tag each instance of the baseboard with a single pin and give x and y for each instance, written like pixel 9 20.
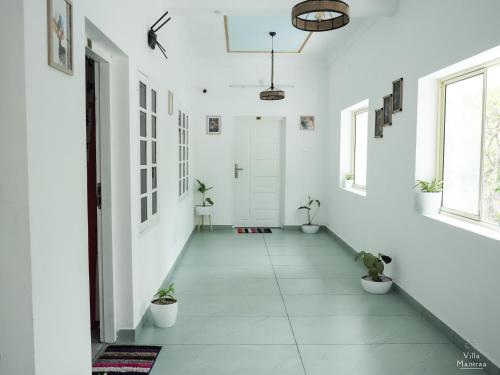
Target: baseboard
pixel 222 227
pixel 130 335
pixel 491 368
pixel 291 227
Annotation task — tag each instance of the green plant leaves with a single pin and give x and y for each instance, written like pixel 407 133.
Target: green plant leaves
pixel 166 293
pixel 373 263
pixel 434 186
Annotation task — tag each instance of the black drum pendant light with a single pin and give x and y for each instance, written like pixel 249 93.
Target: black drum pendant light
pixel 272 93
pixel 320 15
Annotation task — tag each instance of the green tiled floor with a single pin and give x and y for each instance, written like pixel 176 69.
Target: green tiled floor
pixel 290 304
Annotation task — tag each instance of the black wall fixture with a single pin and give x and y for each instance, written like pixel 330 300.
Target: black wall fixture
pixel 153 38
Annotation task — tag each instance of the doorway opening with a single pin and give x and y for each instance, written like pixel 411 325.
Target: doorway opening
pixel 94 197
pixel 258 152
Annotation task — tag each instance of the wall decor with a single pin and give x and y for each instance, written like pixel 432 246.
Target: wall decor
pixel 153 38
pixel 307 123
pixel 397 96
pixel 213 125
pixel 388 110
pixel 170 103
pixel 379 123
pixel 60 35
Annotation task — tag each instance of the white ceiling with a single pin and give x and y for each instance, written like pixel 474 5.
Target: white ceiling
pixel 205 23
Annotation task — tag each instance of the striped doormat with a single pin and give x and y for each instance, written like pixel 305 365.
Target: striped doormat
pixel 254 230
pixel 126 359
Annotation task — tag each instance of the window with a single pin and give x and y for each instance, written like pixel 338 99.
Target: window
pixel 148 156
pixel 470 144
pixel 183 154
pixel 359 147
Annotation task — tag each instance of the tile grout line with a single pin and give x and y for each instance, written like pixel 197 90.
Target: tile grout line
pixel 284 305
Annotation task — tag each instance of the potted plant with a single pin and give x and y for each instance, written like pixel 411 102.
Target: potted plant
pixel 375 282
pixel 428 196
pixel 349 180
pixel 206 207
pixel 164 307
pixel 310 228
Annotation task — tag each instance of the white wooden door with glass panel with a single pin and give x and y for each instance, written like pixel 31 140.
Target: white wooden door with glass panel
pixel 257 172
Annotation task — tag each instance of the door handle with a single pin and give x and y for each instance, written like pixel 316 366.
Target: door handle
pixel 237 170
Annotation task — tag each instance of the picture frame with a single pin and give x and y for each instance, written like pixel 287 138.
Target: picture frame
pixel 307 123
pixel 214 125
pixel 60 35
pixel 397 95
pixel 379 123
pixel 170 103
pixel 388 110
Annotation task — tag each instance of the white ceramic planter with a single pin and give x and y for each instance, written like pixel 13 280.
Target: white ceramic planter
pixel 428 203
pixel 348 184
pixel 310 229
pixel 376 287
pixel 203 210
pixel 164 316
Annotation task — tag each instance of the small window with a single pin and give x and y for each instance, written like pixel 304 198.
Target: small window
pixel 142 95
pixel 470 144
pixel 148 154
pixel 183 130
pixel 360 147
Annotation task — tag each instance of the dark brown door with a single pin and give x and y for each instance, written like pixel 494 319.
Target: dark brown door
pixel 92 193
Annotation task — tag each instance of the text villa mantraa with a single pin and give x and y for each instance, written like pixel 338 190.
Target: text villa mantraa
pixel 471 360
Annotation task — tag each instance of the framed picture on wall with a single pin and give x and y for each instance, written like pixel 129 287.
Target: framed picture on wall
pixel 307 123
pixel 213 125
pixel 397 96
pixel 379 123
pixel 60 35
pixel 170 103
pixel 388 110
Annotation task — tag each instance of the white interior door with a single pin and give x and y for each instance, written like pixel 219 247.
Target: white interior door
pixel 257 172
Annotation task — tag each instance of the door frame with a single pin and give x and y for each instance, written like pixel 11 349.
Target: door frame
pixel 105 243
pixel 283 121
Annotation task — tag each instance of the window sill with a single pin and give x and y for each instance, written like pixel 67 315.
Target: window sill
pixel 467 225
pixel 355 191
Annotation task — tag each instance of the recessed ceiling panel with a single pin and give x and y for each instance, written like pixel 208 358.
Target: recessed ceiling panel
pixel 251 34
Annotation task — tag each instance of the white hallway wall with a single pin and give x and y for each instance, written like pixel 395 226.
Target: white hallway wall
pixel 51 246
pixel 16 315
pixel 450 271
pixel 304 159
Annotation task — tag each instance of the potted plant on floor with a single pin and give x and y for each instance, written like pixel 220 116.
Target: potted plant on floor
pixel 428 196
pixel 164 307
pixel 206 207
pixel 348 180
pixel 375 282
pixel 310 228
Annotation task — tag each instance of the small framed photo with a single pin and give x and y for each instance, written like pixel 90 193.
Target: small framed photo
pixel 170 103
pixel 379 123
pixel 307 123
pixel 60 35
pixel 397 96
pixel 388 110
pixel 213 125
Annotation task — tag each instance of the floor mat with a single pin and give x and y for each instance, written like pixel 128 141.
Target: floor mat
pixel 253 230
pixel 126 359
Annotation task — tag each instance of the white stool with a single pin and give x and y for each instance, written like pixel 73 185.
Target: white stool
pixel 201 221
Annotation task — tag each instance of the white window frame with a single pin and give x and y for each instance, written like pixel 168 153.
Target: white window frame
pixel 457 77
pixel 353 146
pixel 150 139
pixel 183 154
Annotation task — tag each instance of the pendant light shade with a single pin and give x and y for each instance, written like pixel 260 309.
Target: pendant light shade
pixel 320 15
pixel 272 93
